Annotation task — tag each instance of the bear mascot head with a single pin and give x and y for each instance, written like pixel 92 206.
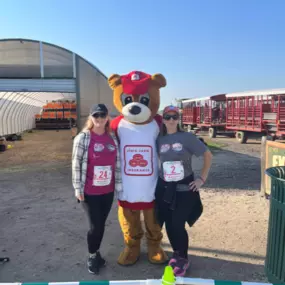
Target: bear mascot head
pixel 137 98
pixel 137 95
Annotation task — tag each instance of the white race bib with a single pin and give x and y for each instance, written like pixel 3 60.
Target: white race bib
pixel 102 175
pixel 173 171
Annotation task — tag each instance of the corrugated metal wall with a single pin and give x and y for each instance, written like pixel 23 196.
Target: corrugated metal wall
pixel 38 85
pixel 21 59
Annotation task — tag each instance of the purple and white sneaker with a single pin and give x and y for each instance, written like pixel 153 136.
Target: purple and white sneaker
pixel 181 267
pixel 173 260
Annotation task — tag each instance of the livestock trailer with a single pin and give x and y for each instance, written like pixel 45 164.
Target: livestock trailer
pixel 256 113
pixel 205 114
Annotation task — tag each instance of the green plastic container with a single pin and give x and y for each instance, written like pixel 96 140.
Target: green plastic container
pixel 275 255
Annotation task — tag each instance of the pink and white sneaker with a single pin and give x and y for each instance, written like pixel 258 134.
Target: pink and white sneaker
pixel 181 267
pixel 172 262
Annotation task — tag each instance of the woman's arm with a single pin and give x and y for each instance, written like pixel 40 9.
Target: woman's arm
pixel 77 158
pixel 200 180
pixel 199 148
pixel 206 166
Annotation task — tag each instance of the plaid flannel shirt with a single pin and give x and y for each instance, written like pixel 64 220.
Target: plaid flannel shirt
pixel 79 163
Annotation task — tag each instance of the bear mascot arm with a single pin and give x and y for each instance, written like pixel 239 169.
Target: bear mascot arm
pixel 137 97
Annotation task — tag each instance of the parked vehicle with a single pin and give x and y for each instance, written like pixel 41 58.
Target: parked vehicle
pixel 244 114
pixel 256 113
pixel 204 114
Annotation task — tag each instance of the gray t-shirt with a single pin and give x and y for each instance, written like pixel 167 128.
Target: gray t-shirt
pixel 175 154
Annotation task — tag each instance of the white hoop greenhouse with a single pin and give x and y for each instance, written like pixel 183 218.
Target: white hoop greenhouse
pixel 34 72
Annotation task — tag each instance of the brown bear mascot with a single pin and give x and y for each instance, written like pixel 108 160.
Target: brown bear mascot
pixel 137 98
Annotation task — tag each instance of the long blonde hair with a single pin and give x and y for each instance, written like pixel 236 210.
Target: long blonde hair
pixel 89 125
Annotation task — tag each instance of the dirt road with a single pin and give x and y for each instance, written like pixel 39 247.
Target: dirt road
pixel 43 229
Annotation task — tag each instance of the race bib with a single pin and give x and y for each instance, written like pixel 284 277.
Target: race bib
pixel 173 171
pixel 138 160
pixel 102 175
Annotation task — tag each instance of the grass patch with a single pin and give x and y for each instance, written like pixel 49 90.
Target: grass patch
pixel 215 145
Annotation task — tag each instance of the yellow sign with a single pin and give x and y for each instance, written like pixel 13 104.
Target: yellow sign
pixel 275 156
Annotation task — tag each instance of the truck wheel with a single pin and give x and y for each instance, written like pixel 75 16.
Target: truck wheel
pixel 241 137
pixel 212 133
pixel 271 138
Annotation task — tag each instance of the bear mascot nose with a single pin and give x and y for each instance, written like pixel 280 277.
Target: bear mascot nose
pixel 134 110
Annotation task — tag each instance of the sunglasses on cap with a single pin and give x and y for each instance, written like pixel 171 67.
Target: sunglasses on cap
pixel 167 117
pixel 102 115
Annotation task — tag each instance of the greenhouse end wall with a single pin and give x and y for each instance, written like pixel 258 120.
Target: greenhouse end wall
pixel 92 89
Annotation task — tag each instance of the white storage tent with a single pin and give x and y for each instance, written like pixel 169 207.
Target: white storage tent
pixel 33 72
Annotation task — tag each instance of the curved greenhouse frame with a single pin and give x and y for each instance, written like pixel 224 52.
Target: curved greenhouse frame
pixel 33 73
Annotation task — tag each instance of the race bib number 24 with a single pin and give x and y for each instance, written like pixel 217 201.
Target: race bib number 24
pixel 102 175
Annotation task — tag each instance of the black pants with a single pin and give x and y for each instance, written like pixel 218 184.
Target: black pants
pixel 97 208
pixel 187 209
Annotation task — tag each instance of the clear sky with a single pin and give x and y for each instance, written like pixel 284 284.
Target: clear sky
pixel 202 47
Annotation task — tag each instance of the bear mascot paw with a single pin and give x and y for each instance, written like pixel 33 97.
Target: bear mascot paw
pixel 137 98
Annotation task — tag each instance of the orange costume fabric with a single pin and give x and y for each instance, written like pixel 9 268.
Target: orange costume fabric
pixel 137 98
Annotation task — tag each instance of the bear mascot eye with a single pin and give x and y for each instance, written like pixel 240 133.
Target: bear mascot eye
pixel 144 99
pixel 126 99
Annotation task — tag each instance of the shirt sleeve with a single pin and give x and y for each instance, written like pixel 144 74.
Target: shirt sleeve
pixel 77 158
pixel 157 145
pixel 194 145
pixel 118 175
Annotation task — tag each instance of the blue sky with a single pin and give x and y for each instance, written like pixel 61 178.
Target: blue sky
pixel 202 47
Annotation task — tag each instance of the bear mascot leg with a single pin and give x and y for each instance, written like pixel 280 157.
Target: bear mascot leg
pixel 132 231
pixel 154 236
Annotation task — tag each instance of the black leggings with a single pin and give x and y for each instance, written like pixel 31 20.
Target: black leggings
pixel 97 208
pixel 176 219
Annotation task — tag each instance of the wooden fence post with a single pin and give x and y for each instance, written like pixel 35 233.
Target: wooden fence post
pixel 262 164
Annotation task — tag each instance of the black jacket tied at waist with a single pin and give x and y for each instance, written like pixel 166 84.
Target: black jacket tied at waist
pixel 170 190
pixel 166 192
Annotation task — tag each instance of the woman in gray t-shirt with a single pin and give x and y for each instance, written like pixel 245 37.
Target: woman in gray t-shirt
pixel 177 196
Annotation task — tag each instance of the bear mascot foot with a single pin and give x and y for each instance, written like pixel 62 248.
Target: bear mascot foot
pixel 156 255
pixel 129 256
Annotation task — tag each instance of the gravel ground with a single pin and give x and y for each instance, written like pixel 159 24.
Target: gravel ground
pixel 43 229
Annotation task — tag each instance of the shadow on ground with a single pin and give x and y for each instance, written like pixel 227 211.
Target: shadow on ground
pixel 220 269
pixel 231 170
pixel 201 267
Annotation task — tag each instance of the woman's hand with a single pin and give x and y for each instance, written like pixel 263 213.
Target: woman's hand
pixel 199 181
pixel 80 197
pixel 196 184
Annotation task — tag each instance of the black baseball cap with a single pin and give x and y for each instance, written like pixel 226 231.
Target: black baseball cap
pixel 98 108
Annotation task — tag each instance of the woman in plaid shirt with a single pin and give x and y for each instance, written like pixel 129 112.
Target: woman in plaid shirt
pixel 96 175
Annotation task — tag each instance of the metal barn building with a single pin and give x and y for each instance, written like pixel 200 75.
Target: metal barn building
pixel 34 72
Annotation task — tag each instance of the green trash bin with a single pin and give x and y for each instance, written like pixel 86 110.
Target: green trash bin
pixel 275 255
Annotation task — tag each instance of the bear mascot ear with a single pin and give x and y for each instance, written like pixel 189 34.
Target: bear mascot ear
pixel 158 80
pixel 114 80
